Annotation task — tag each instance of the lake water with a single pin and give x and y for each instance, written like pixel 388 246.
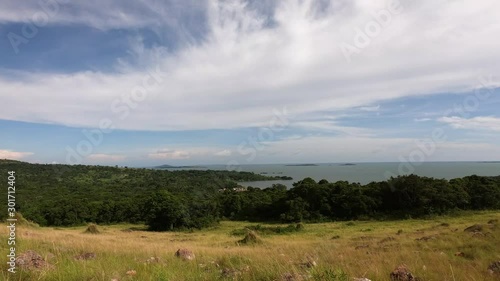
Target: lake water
pixel 365 172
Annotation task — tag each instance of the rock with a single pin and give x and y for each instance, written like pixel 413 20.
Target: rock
pixel 131 273
pixel 185 254
pixel 474 228
pixel 86 256
pixel 361 279
pixel 494 268
pixel 402 273
pixel 31 260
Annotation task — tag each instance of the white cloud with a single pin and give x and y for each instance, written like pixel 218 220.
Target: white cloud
pixel 331 126
pixel 466 151
pixel 335 149
pixel 328 149
pixel 105 158
pixel 365 149
pixel 101 14
pixel 245 69
pixel 196 154
pixel 422 119
pixel 224 153
pixel 15 155
pixel 370 108
pixel 487 123
pixel 170 154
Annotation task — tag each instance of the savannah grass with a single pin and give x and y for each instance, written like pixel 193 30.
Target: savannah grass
pixel 217 251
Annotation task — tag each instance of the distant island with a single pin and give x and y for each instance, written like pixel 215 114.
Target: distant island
pixel 348 164
pixel 286 178
pixel 301 165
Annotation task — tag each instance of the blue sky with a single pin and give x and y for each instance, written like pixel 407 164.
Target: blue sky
pixel 246 82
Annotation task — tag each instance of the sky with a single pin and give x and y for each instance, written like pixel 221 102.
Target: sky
pixel 193 82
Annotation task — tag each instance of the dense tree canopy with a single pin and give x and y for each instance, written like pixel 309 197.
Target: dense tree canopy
pixel 61 195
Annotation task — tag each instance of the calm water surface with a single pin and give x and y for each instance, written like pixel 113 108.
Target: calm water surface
pixel 364 172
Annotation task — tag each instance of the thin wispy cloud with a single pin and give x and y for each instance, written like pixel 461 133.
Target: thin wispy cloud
pixel 169 154
pixel 332 127
pixel 370 108
pixel 487 123
pixel 422 119
pixel 223 153
pixel 104 14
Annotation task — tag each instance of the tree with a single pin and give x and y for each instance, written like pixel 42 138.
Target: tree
pixel 165 211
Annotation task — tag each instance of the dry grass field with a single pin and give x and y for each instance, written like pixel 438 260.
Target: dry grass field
pixel 437 249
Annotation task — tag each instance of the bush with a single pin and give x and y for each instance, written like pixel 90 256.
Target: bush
pixel 24 222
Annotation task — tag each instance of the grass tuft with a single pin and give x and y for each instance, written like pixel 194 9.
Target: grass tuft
pixel 92 229
pixel 250 238
pixel 148 256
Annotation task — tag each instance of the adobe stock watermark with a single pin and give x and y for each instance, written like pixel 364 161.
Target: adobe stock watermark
pixel 254 144
pixel 364 35
pixel 47 9
pixel 427 147
pixel 121 109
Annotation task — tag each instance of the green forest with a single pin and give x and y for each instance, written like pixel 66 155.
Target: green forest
pixel 63 195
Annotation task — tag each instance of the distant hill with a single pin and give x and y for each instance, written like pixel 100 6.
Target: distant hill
pixel 6 161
